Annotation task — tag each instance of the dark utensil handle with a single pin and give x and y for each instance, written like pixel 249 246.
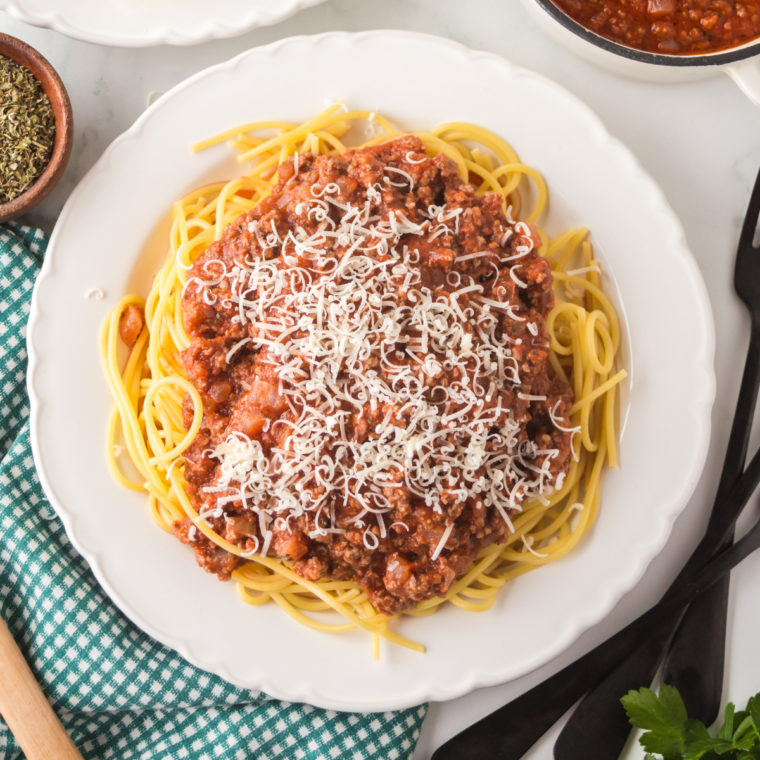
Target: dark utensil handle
pixel 513 729
pixel 697 654
pixel 509 732
pixel 610 734
pixel 738 441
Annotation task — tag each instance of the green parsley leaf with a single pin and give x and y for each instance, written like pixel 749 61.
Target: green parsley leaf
pixel 727 731
pixel 700 748
pixel 670 734
pixel 663 716
pixel 696 730
pixel 745 736
pixel 753 708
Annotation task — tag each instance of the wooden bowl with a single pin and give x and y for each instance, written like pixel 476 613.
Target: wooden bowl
pixel 24 55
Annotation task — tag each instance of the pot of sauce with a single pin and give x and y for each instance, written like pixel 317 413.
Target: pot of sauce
pixel 663 52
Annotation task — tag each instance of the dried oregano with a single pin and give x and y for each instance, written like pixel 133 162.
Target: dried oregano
pixel 27 129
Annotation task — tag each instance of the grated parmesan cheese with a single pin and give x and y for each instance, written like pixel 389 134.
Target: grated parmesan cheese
pixel 330 313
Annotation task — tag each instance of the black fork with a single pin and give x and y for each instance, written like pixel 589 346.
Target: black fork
pixel 697 655
pixel 511 730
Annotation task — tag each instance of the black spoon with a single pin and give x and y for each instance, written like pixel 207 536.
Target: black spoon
pixel 509 732
pixel 536 711
pixel 695 663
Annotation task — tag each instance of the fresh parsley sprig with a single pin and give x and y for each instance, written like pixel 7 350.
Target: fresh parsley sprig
pixel 671 734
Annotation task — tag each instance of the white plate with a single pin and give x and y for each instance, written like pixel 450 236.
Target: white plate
pixel 112 235
pixel 142 23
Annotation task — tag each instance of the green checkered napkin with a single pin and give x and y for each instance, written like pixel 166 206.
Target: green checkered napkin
pixel 119 693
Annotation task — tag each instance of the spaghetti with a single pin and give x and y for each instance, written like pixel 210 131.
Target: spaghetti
pixel 546 503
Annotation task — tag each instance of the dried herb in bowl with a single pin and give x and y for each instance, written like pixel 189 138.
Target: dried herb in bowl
pixel 27 129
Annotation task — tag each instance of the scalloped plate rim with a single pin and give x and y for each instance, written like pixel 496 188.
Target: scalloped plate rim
pixel 215 28
pixel 425 691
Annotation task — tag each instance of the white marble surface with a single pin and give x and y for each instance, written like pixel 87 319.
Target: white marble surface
pixel 701 143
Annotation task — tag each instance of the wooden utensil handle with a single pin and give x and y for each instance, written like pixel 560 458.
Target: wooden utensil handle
pixel 25 709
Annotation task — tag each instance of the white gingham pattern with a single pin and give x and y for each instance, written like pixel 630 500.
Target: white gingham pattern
pixel 120 694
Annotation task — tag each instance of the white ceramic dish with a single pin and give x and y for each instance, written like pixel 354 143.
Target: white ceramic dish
pixel 142 23
pixel 742 64
pixel 112 235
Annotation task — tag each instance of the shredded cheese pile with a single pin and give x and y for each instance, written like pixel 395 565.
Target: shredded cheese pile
pixel 333 333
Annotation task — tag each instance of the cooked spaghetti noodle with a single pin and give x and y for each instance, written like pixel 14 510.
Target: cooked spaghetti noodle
pixel 153 393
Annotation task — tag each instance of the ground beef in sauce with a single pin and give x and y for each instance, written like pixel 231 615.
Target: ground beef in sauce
pixel 477 419
pixel 671 27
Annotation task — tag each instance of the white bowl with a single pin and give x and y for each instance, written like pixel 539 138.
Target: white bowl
pixel 742 63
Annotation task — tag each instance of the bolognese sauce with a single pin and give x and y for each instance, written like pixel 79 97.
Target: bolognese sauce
pixel 670 27
pixel 369 344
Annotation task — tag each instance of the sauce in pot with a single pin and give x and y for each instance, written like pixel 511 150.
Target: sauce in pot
pixel 670 27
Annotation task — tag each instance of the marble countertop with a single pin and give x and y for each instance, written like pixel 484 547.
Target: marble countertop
pixel 700 142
